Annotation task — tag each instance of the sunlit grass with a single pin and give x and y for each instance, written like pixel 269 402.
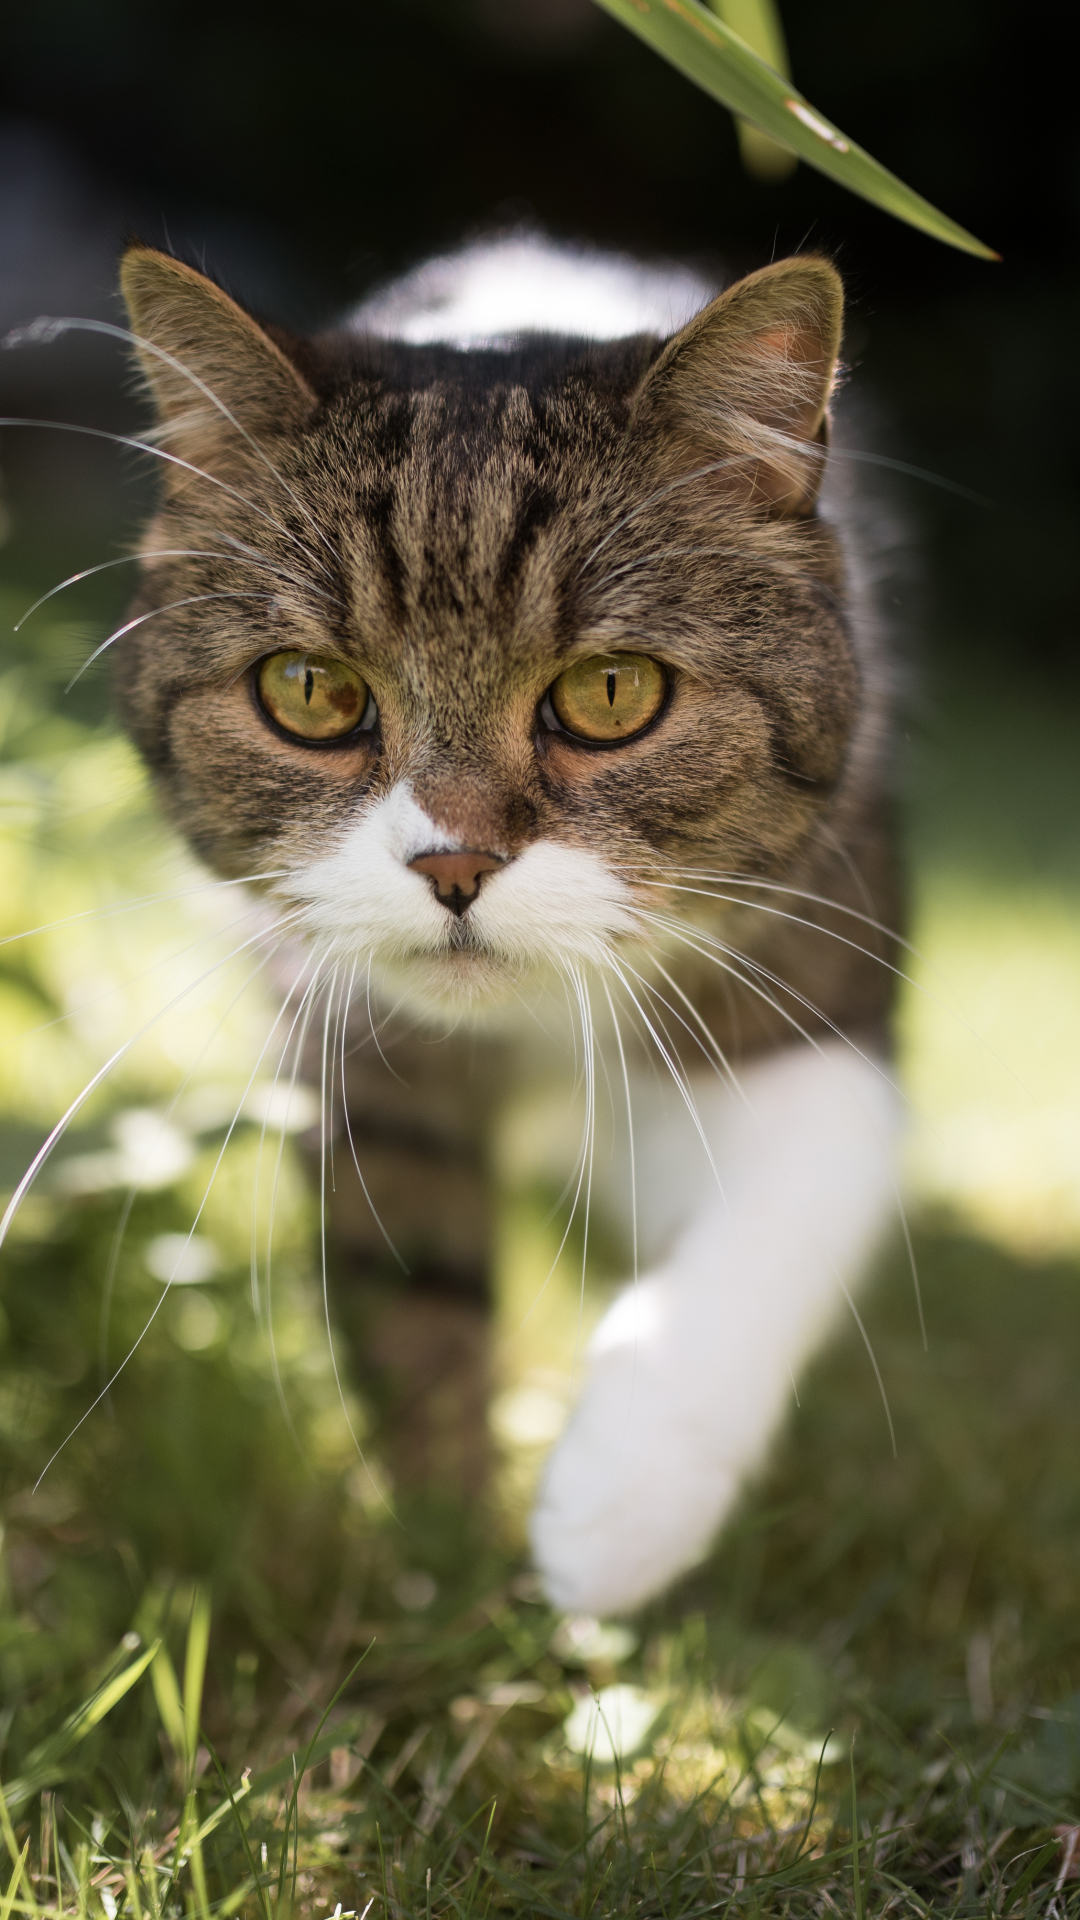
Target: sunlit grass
pixel 922 1607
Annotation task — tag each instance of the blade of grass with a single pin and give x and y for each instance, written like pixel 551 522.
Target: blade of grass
pixel 1034 1867
pixel 718 60
pixel 8 1900
pixel 13 1848
pixel 758 23
pixel 198 1642
pixel 855 1874
pixel 292 1810
pixel 169 1705
pixel 240 1827
pixel 43 1763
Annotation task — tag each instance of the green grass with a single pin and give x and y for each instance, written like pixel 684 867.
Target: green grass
pixel 868 1699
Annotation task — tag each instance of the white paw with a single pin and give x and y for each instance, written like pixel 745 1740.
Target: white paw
pixel 691 1372
pixel 637 1486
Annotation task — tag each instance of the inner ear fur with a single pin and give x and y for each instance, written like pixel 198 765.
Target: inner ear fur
pixel 745 387
pixel 216 376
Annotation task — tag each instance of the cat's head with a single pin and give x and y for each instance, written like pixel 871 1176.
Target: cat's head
pixel 474 652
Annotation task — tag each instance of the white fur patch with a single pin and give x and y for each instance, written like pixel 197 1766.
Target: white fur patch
pixel 489 294
pixel 550 905
pixel 690 1373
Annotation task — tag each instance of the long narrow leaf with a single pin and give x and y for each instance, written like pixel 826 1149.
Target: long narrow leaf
pixel 43 1764
pixel 699 44
pixel 758 23
pixel 198 1641
pixel 167 1694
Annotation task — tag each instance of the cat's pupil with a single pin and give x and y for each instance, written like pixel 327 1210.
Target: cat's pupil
pixel 611 689
pixel 309 685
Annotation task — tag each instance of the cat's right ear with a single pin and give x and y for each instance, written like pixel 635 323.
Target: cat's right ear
pixel 220 384
pixel 741 395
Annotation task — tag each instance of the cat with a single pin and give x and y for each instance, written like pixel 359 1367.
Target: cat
pixel 500 638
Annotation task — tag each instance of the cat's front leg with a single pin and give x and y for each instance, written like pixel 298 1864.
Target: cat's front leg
pixel 690 1372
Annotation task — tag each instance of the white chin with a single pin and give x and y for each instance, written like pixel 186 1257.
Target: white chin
pixel 454 982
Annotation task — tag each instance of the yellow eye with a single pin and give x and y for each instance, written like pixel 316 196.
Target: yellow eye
pixel 311 695
pixel 610 696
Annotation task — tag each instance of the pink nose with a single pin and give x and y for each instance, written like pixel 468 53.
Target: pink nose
pixel 457 876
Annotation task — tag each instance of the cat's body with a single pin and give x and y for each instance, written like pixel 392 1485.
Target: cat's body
pixel 522 666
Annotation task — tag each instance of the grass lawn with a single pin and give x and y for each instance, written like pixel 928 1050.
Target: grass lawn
pixel 866 1701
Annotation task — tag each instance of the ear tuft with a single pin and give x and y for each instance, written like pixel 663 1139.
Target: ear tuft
pixel 219 382
pixel 746 385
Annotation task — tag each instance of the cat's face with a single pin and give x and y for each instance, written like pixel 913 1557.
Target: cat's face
pixel 476 654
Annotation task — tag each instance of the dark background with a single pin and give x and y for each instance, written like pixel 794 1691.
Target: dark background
pixel 304 153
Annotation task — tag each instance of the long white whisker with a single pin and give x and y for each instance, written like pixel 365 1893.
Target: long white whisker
pixel 136 1344
pixel 46 329
pixel 352 1143
pixel 589 1050
pixel 674 1067
pixel 173 606
pixel 178 953
pixel 76 1106
pixel 712 1045
pixel 799 893
pixel 132 1194
pixel 576 1179
pixel 256 1303
pixel 144 900
pixel 173 460
pixel 756 968
pixel 322 1244
pixel 375 1030
pixel 870 1062
pixel 177 553
pixel 302 1019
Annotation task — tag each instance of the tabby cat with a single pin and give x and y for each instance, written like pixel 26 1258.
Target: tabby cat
pixel 499 637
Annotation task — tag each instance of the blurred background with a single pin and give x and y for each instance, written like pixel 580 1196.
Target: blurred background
pixel 304 155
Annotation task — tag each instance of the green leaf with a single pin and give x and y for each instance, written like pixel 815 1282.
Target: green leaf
pixel 44 1764
pixel 167 1694
pixel 708 52
pixel 198 1641
pixel 758 23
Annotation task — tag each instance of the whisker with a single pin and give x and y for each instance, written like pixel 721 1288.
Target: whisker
pixel 132 1194
pixel 303 1020
pixel 712 1044
pixel 756 967
pixel 76 1106
pixel 175 553
pixel 675 1068
pixel 633 1205
pixel 870 1062
pixel 322 1245
pixel 352 1144
pixel 192 600
pixel 46 329
pixel 588 1048
pixel 136 1344
pixel 578 1176
pixel 752 883
pixel 914 473
pixel 172 459
pixel 110 993
pixel 256 1302
pixel 144 900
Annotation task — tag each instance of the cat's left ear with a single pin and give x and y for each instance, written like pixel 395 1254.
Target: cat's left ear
pixel 218 380
pixel 744 389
